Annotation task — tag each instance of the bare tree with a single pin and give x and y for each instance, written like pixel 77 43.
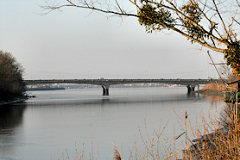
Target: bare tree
pixel 211 23
pixel 11 82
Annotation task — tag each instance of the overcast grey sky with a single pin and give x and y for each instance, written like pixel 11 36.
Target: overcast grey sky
pixel 76 43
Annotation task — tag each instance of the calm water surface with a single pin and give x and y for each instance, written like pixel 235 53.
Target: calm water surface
pixel 57 122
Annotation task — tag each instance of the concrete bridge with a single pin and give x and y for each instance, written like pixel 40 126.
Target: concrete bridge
pixel 106 83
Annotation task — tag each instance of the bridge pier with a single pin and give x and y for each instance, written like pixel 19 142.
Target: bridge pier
pixel 190 89
pixel 105 90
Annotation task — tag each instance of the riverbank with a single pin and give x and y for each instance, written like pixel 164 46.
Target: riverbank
pixel 221 143
pixel 45 89
pixel 220 138
pixel 217 89
pixel 213 89
pixel 14 101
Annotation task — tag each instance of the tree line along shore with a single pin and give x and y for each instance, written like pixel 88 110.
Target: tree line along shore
pixel 12 88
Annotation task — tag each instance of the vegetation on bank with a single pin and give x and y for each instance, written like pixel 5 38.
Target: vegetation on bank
pixel 219 89
pixel 11 80
pixel 213 89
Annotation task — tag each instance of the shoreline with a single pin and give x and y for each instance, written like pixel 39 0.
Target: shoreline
pixel 44 89
pixel 211 92
pixel 14 101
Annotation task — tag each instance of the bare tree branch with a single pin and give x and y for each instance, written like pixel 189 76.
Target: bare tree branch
pixel 197 20
pixel 223 23
pixel 236 21
pixel 87 6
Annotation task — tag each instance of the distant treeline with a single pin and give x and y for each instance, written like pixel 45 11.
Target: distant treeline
pixel 11 81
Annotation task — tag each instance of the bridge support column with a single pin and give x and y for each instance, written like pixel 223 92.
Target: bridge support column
pixel 105 90
pixel 190 89
pixel 198 90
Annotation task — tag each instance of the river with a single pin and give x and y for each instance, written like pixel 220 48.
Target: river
pixel 55 124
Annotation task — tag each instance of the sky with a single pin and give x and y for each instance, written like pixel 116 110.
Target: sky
pixel 76 43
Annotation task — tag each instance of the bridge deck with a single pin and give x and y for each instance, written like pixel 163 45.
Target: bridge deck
pixel 121 81
pixel 105 83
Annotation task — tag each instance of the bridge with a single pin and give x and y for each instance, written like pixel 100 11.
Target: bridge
pixel 106 83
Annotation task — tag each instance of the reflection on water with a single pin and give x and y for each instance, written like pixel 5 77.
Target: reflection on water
pixel 55 121
pixel 121 100
pixel 11 117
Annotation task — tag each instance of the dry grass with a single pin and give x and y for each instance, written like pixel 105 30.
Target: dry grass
pixel 223 143
pixel 216 88
pixel 116 154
